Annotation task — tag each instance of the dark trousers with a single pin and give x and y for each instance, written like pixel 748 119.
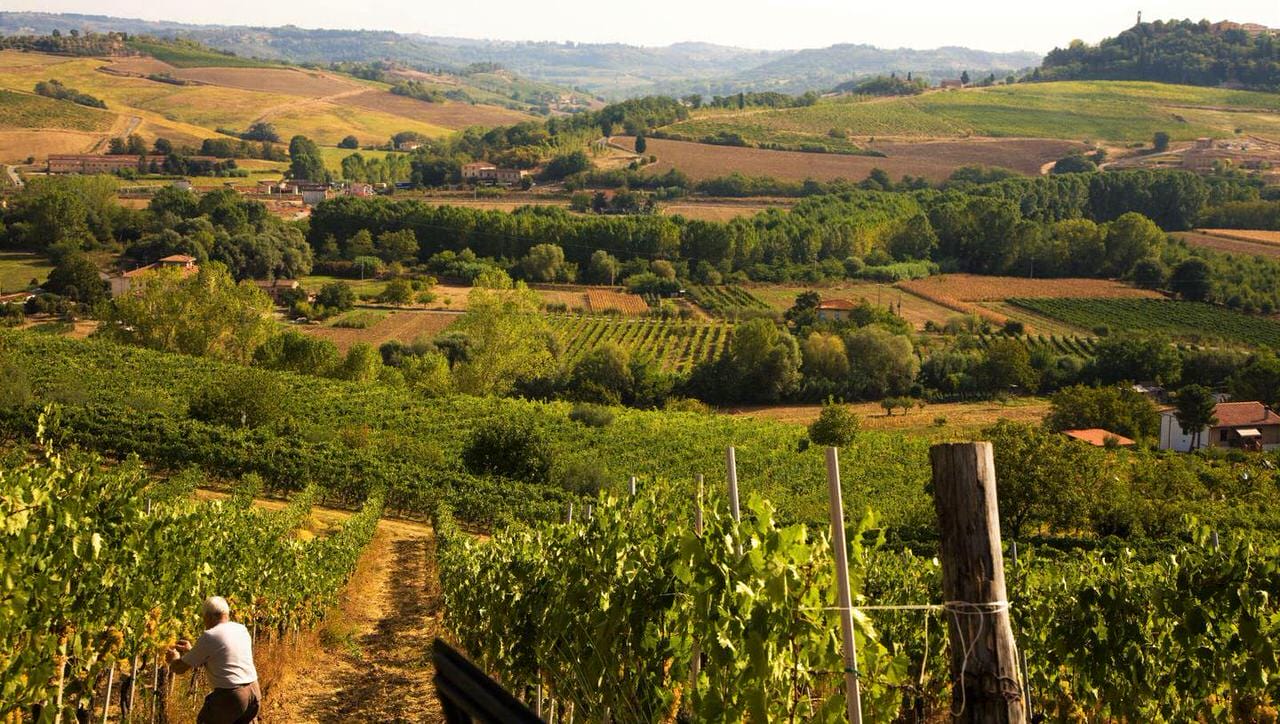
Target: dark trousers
pixel 231 706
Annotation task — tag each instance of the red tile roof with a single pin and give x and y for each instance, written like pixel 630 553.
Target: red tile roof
pixel 1097 436
pixel 178 259
pixel 1244 414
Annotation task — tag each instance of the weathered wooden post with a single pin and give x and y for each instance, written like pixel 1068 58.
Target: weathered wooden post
pixel 731 462
pixel 840 552
pixel 695 664
pixel 986 686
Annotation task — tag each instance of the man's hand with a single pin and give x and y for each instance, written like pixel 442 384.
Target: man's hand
pixel 183 645
pixel 172 655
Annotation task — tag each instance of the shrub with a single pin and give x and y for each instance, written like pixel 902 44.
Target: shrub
pixel 591 415
pixel 836 426
pixel 512 448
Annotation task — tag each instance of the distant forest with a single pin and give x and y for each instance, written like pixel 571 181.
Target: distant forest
pixel 1179 51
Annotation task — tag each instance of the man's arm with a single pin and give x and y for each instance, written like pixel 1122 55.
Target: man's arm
pixel 174 657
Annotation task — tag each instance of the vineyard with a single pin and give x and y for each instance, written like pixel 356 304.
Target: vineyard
pixel 1052 343
pixel 610 611
pixel 105 568
pixel 728 302
pixel 677 346
pixel 1189 321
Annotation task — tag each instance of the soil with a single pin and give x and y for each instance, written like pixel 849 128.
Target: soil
pixel 375 660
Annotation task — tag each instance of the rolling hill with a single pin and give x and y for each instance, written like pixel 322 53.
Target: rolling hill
pixel 613 70
pixel 186 95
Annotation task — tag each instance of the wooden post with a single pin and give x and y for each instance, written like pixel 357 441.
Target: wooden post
pixel 732 463
pixel 632 483
pixel 695 663
pixel 840 551
pixel 111 677
pixel 986 686
pixel 569 519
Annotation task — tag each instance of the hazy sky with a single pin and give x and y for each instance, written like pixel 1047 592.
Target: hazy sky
pixel 994 25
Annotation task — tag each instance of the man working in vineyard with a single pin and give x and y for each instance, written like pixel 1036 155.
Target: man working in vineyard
pixel 225 650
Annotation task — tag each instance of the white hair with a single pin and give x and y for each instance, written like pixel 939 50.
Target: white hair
pixel 216 606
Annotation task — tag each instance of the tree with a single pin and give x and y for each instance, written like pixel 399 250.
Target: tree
pixel 543 263
pixel 1074 163
pixel 1135 359
pixel 1160 141
pixel 566 164
pixel 135 145
pixel 1194 410
pixel 1192 280
pixel 1149 273
pixel 162 146
pixel 399 245
pixel 765 359
pixel 836 426
pixel 509 447
pixel 1258 379
pixel 1044 479
pixel 881 363
pixel 641 145
pixel 240 397
pixel 363 363
pixel 293 351
pixel 398 292
pixel 1117 409
pixel 305 161
pixel 204 314
pixel 1129 239
pixel 507 340
pixel 602 268
pixel 804 313
pixel 1007 365
pixel 603 375
pixel 360 244
pixel 336 296
pixel 76 277
pixel 964 78
pixel 824 356
pixel 914 239
pixel 261 131
pixel 349 142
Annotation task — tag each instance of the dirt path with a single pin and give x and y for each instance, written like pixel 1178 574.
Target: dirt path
pixel 372 658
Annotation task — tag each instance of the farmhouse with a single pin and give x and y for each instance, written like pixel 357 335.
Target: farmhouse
pixel 1098 437
pixel 835 310
pixel 477 170
pixel 1244 425
pixel 275 288
pixel 122 282
pixel 950 83
pixel 312 192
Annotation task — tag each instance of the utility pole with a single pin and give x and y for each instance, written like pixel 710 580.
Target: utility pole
pixel 986 682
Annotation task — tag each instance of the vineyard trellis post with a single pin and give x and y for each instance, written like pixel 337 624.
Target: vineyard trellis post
pixel 840 551
pixel 731 462
pixel 106 706
pixel 986 682
pixel 695 658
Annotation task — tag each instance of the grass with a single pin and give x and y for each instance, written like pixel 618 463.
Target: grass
pixel 1096 110
pixel 358 319
pixel 184 56
pixel 25 110
pixel 18 269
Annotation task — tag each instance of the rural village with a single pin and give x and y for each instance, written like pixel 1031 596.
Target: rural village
pixel 498 380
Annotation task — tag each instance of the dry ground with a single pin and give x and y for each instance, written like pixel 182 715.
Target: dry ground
pixel 958 418
pixel 450 114
pixel 404 326
pixel 914 309
pixel 1257 236
pixel 984 296
pixel 935 160
pixel 1229 245
pixel 270 80
pixel 17 146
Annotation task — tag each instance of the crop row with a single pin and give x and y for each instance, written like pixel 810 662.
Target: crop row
pixel 1051 343
pixel 677 346
pixel 1189 321
pixel 727 301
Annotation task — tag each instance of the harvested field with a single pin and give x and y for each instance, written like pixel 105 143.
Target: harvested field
pixel 139 66
pixel 604 300
pixel 934 160
pixel 16 146
pixel 449 114
pixel 960 418
pixel 715 212
pixel 1228 245
pixel 405 326
pixel 269 80
pixel 916 310
pixel 1258 236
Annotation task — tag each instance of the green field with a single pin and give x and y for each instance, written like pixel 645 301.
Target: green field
pixel 26 110
pixel 18 269
pixel 1189 321
pixel 678 346
pixel 193 57
pixel 727 301
pixel 1076 110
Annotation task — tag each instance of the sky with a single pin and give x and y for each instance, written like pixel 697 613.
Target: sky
pixel 1000 25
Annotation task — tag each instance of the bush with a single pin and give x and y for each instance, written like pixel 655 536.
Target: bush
pixel 836 426
pixel 591 415
pixel 241 398
pixel 512 448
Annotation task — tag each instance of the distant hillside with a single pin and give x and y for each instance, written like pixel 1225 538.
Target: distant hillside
pixel 613 70
pixel 1177 51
